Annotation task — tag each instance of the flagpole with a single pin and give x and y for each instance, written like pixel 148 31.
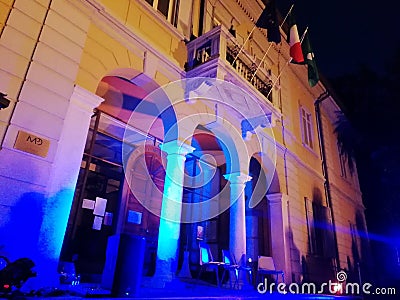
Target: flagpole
pixel 259 65
pixel 290 10
pixel 303 35
pixel 270 44
pixel 237 55
pixel 287 63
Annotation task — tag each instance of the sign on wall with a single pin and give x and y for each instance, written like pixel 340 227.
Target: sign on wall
pixel 31 143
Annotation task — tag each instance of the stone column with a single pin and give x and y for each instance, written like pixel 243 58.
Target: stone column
pixel 63 178
pixel 171 210
pixel 237 235
pixel 278 209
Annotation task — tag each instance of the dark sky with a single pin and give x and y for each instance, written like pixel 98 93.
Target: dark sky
pixel 345 34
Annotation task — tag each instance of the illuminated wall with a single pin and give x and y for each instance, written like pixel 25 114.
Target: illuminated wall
pixel 54 55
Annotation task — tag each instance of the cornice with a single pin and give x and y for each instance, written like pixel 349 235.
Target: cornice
pixel 347 197
pixel 243 7
pixel 293 155
pixel 85 100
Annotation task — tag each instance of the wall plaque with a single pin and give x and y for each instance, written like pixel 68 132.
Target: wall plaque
pixel 31 143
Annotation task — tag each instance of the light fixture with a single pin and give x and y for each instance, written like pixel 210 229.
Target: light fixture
pixel 4 102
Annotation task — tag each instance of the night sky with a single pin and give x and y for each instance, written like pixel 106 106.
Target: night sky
pixel 345 34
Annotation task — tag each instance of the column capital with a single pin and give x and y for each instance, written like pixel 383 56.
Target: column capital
pixel 85 100
pixel 176 147
pixel 276 198
pixel 237 178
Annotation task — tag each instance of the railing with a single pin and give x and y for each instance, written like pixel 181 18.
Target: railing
pixel 220 43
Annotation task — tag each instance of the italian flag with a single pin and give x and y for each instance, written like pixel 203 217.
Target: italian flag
pixel 294 41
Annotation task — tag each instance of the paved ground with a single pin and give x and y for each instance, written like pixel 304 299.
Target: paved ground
pixel 180 289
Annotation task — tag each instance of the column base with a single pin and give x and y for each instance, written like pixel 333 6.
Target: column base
pixel 184 272
pixel 162 276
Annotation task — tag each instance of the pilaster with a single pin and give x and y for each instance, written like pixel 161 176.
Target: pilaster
pixel 278 208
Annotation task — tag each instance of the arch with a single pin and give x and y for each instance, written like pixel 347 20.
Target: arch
pixel 257 210
pixel 102 55
pixel 127 97
pixel 142 198
pixel 268 183
pixel 220 144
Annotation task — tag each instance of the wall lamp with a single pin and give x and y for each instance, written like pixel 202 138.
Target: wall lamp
pixel 4 102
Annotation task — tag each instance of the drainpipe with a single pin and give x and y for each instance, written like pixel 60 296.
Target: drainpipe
pixel 322 97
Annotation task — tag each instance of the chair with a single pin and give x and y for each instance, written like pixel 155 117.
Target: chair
pixel 243 266
pixel 230 265
pixel 266 266
pixel 207 261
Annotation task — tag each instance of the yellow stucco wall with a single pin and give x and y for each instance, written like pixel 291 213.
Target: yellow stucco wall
pixel 82 47
pixel 101 55
pixel 5 8
pixel 104 52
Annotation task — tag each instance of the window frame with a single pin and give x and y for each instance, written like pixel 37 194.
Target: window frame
pixel 307 128
pixel 172 13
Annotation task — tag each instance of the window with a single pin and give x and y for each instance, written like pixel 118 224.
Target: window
pixel 319 229
pixel 342 161
pixel 306 127
pixel 169 8
pixel 354 242
pixel 310 225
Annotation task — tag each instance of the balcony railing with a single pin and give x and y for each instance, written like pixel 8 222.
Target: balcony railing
pixel 219 43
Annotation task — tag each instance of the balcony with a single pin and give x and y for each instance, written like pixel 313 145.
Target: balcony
pixel 216 50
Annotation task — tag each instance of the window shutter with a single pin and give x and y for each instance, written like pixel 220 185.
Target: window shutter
pixel 328 240
pixel 310 225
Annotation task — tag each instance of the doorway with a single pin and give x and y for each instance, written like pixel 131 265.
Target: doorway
pixel 104 204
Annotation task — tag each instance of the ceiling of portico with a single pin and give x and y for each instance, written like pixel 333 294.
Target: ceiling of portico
pixel 122 98
pixel 231 98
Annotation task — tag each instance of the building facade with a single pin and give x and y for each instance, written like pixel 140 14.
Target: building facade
pixel 148 118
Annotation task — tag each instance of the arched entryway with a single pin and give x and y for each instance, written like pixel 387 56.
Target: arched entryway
pixel 106 200
pixel 204 193
pixel 258 237
pixel 258 214
pixel 141 200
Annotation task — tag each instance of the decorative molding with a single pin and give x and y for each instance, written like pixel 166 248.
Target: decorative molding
pixel 243 7
pixel 276 198
pixel 246 86
pixel 85 100
pixel 302 164
pixel 347 197
pixel 176 147
pixel 237 178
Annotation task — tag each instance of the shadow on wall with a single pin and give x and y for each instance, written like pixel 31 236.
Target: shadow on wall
pixel 363 255
pixel 20 235
pixel 317 264
pixel 296 266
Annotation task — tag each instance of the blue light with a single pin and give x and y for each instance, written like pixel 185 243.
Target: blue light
pixel 171 208
pixel 55 220
pixel 20 233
